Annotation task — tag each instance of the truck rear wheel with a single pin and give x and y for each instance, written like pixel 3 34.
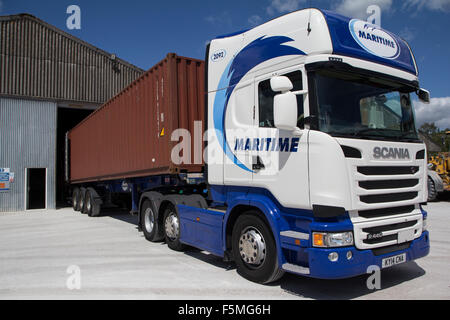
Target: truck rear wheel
pixel 172 228
pixel 149 224
pixel 254 249
pixel 75 198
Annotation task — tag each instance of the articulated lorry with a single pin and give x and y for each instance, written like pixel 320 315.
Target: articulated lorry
pixel 291 148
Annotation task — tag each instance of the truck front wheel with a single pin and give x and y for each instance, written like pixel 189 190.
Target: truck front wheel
pixel 254 249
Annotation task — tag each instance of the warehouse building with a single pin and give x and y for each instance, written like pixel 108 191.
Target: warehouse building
pixel 49 81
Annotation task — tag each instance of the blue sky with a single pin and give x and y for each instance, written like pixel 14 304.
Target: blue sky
pixel 143 32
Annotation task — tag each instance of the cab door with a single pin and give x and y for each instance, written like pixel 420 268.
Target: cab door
pixel 280 162
pixel 239 127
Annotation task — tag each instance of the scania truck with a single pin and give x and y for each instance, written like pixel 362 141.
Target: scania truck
pixel 312 163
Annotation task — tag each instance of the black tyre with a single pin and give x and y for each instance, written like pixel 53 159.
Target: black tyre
pixel 91 207
pixel 172 228
pixel 254 249
pixel 82 200
pixel 432 194
pixel 75 198
pixel 149 224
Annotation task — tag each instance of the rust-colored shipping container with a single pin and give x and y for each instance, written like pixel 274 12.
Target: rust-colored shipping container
pixel 130 135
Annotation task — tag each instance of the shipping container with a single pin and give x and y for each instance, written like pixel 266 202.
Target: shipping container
pixel 130 135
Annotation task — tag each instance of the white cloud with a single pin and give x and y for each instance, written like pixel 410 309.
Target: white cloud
pixel 438 111
pixel 419 5
pixel 254 20
pixel 284 6
pixel 358 8
pixel 407 33
pixel 223 18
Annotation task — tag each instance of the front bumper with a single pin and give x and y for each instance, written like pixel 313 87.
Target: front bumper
pixel 321 267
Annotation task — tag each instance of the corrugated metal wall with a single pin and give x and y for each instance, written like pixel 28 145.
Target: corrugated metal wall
pixel 27 140
pixel 40 61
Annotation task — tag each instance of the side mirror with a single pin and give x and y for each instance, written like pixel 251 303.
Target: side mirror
pixel 424 95
pixel 281 83
pixel 285 111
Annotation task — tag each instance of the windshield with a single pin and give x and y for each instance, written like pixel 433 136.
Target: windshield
pixel 350 105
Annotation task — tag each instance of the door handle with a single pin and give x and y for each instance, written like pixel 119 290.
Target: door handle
pixel 258 165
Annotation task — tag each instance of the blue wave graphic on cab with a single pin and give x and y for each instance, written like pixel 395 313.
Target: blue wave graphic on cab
pixel 255 53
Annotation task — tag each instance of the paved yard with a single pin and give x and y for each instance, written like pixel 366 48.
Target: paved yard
pixel 115 261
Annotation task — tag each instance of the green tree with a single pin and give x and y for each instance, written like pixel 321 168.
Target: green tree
pixel 429 128
pixel 440 137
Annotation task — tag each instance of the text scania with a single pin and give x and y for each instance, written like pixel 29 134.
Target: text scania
pixel 377 39
pixel 390 153
pixel 267 144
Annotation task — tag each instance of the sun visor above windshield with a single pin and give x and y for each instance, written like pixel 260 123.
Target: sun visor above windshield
pixel 360 39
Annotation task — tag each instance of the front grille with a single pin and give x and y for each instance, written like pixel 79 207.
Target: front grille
pixel 390 227
pixel 384 184
pixel 381 240
pixel 381 233
pixel 396 188
pixel 388 184
pixel 390 197
pixel 377 213
pixel 387 171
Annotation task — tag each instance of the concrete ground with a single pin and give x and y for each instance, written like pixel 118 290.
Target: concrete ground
pixel 37 249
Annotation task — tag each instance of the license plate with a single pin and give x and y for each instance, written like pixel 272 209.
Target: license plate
pixel 392 261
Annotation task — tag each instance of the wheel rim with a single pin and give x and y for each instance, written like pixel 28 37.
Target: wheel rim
pixel 81 201
pixel 149 220
pixel 252 247
pixel 172 226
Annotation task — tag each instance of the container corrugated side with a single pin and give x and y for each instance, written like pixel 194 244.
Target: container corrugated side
pixel 130 136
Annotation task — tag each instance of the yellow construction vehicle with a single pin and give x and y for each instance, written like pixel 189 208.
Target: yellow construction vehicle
pixel 440 165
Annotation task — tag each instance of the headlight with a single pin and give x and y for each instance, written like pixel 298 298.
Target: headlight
pixel 424 225
pixel 332 240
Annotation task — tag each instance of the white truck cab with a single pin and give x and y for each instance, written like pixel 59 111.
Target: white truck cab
pixel 311 126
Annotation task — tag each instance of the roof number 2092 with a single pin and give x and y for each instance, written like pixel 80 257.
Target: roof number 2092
pixel 218 55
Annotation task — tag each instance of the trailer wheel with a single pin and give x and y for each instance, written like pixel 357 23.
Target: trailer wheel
pixel 82 200
pixel 92 208
pixel 432 194
pixel 149 224
pixel 75 198
pixel 172 228
pixel 254 249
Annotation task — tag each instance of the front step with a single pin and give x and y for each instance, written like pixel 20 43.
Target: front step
pixel 295 269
